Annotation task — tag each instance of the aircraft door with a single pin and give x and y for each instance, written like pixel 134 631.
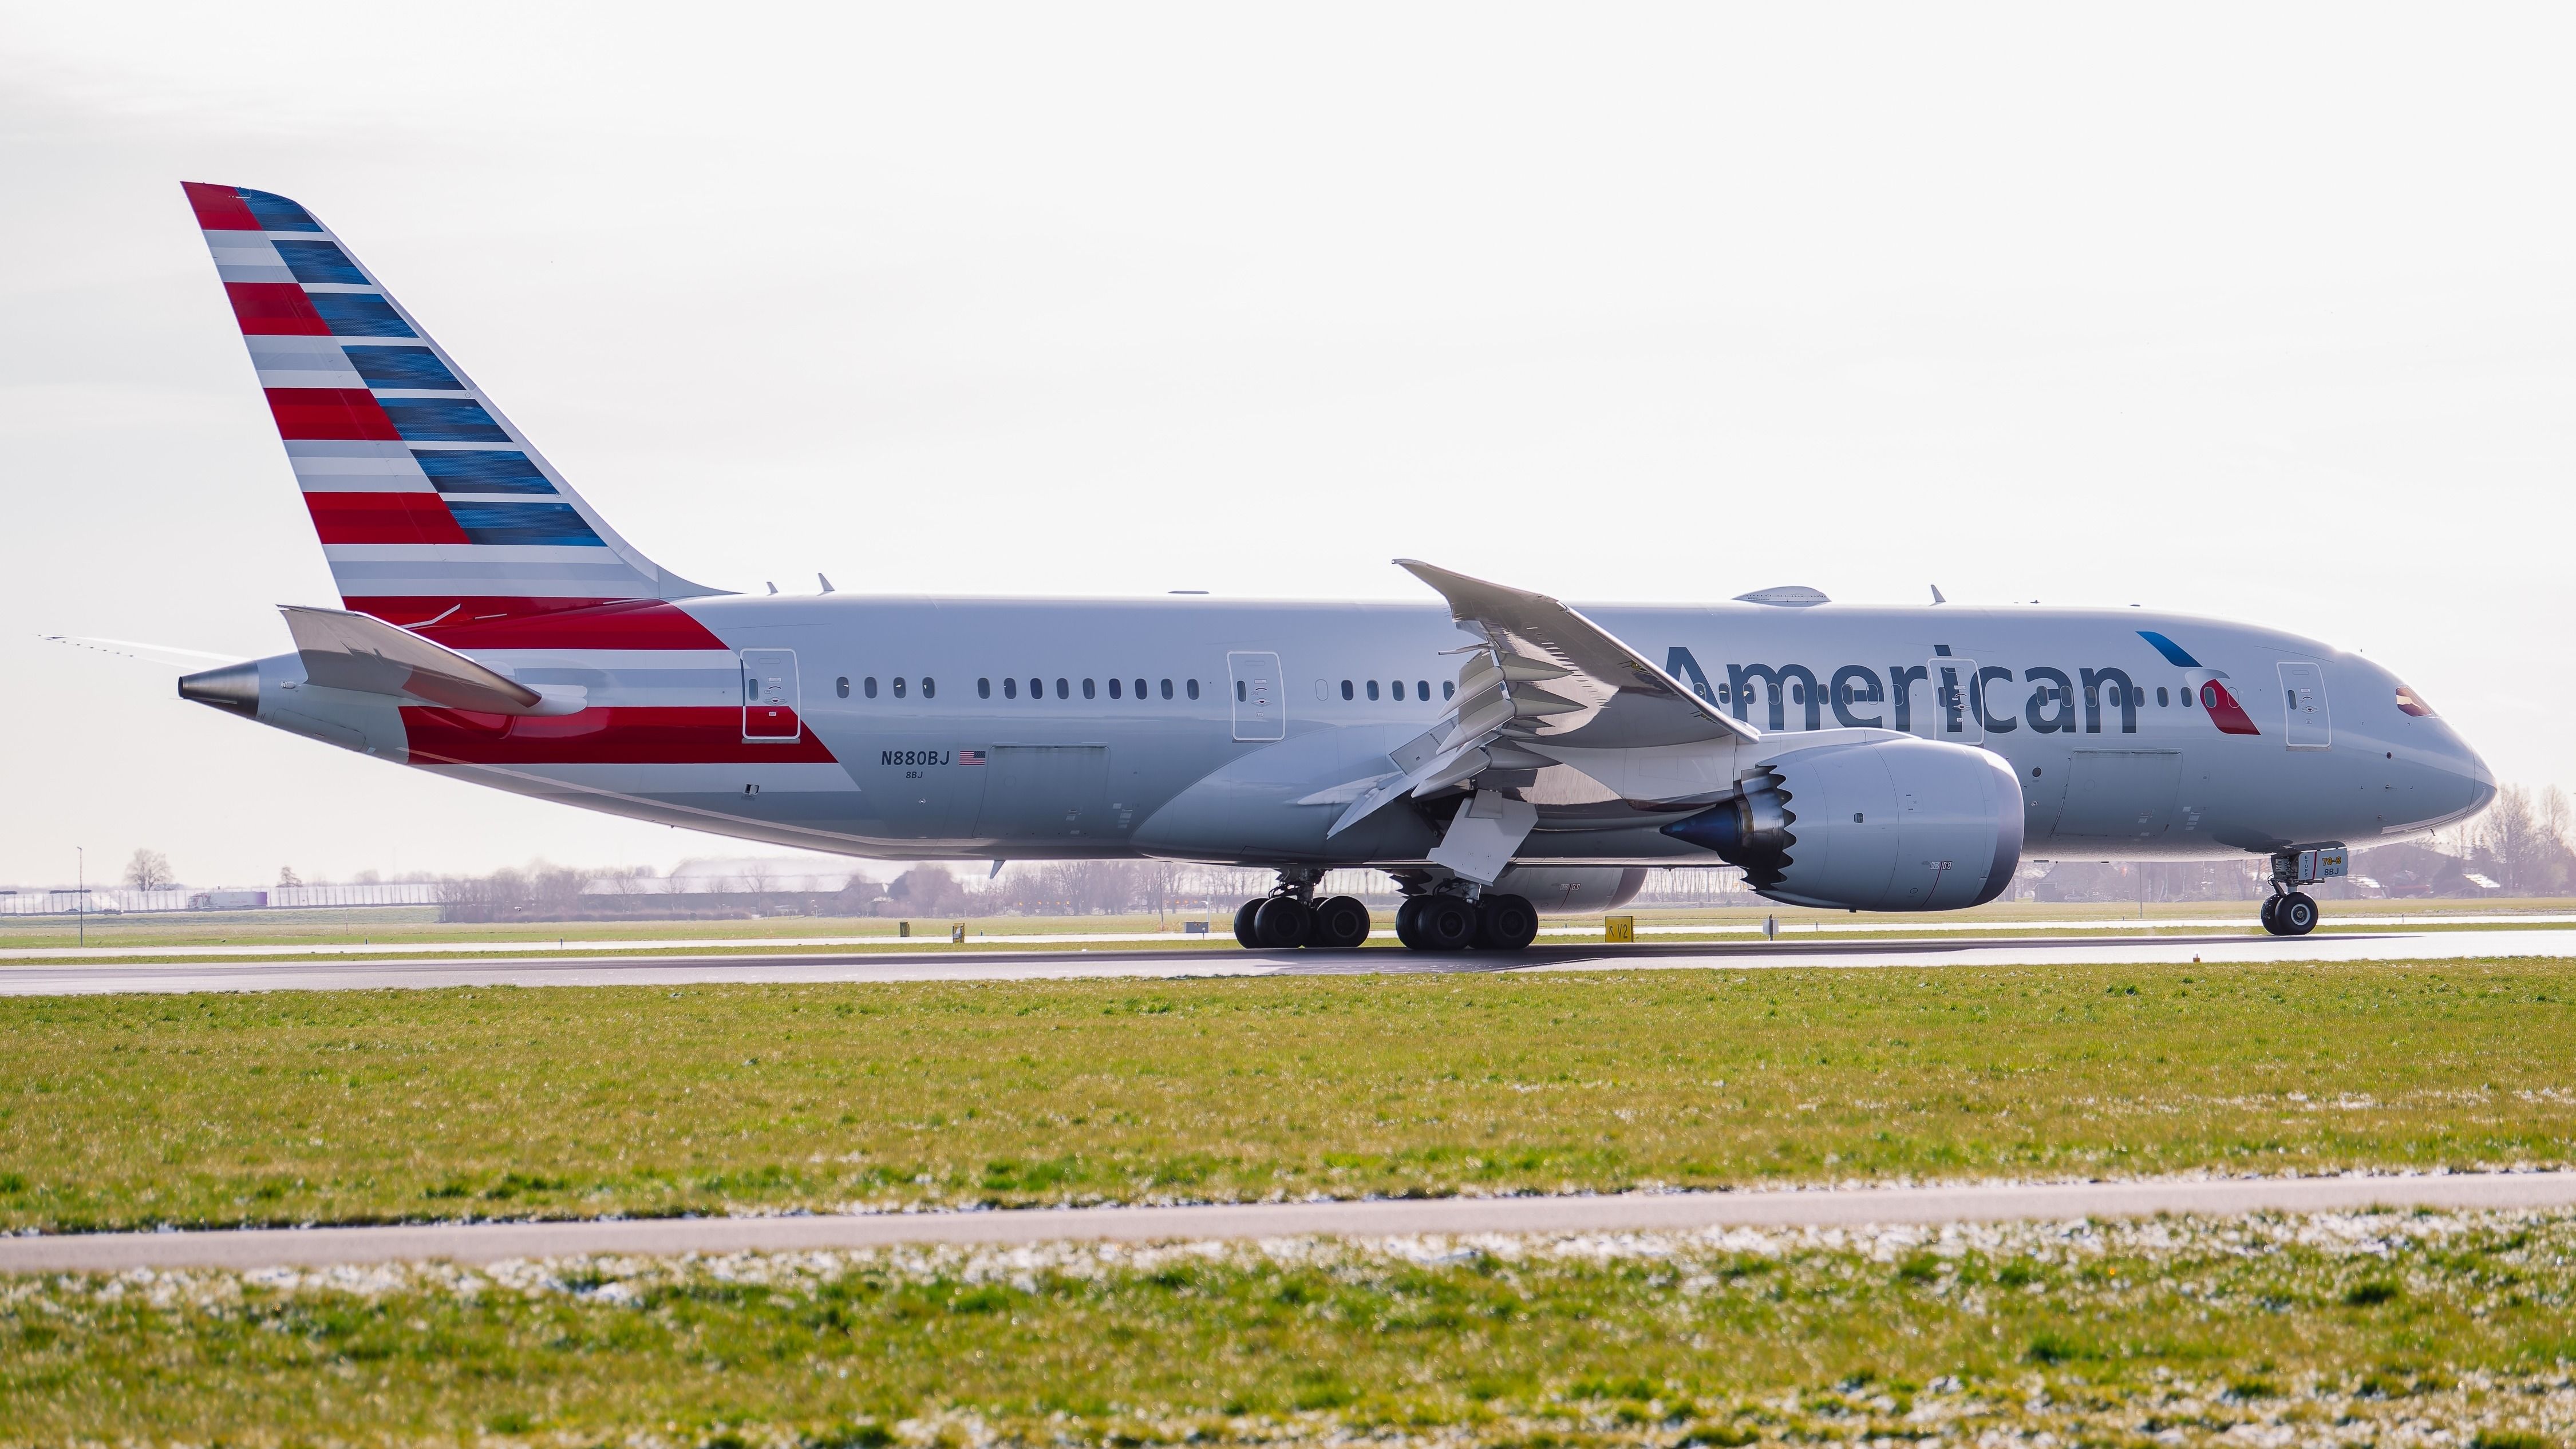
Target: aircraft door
pixel 769 697
pixel 2303 700
pixel 1946 703
pixel 1260 699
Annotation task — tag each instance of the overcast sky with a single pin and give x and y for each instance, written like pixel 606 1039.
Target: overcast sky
pixel 2262 312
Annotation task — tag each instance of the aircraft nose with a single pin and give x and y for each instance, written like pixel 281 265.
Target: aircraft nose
pixel 2477 784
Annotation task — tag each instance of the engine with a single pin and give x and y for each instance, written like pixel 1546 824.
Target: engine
pixel 1574 889
pixel 1897 824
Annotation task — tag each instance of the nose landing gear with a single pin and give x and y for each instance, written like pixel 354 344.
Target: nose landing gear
pixel 2290 911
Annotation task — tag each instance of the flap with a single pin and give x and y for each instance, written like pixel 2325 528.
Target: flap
pixel 363 653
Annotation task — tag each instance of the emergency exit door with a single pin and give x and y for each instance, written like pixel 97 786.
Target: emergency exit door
pixel 769 697
pixel 2303 702
pixel 1945 703
pixel 1260 696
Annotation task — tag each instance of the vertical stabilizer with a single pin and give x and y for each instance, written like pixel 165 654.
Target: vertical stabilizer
pixel 432 508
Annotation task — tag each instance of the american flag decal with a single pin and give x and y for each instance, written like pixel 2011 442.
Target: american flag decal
pixel 970 757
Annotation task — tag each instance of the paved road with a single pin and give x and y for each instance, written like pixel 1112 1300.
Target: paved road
pixel 487 1242
pixel 967 964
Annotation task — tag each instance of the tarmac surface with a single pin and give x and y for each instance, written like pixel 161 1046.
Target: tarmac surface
pixel 1632 1212
pixel 965 963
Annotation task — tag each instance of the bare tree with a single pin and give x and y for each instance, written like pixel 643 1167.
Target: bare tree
pixel 149 870
pixel 286 876
pixel 2520 839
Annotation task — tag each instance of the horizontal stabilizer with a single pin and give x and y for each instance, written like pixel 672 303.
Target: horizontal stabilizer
pixel 360 652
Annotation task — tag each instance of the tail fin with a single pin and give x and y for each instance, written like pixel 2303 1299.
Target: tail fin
pixel 431 507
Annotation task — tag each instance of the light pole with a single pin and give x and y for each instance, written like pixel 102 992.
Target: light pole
pixel 80 891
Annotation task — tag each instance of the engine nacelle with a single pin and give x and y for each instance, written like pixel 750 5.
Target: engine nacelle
pixel 1574 889
pixel 1890 824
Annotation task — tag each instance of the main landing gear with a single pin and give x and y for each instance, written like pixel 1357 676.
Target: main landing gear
pixel 1290 917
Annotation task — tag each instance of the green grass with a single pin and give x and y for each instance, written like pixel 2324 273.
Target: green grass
pixel 321 1107
pixel 2097 1334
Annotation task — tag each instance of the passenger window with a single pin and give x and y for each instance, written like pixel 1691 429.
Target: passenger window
pixel 1087 691
pixel 1167 689
pixel 983 689
pixel 1113 690
pixel 1062 690
pixel 2161 697
pixel 898 686
pixel 1140 689
pixel 1194 689
pixel 1346 689
pixel 1372 689
pixel 1037 689
pixel 1239 695
pixel 1448 689
pixel 1422 689
pixel 1010 689
pixel 868 686
pixel 841 686
pixel 929 687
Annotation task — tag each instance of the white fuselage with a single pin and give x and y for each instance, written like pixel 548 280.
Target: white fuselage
pixel 1014 728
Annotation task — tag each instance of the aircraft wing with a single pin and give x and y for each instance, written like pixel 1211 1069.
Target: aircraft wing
pixel 358 652
pixel 1544 677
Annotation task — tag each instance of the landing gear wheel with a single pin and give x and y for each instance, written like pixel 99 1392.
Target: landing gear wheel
pixel 1243 924
pixel 1408 923
pixel 1341 924
pixel 1281 923
pixel 1505 923
pixel 2296 915
pixel 2271 918
pixel 1444 923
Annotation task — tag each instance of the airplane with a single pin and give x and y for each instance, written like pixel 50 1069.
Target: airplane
pixel 1499 753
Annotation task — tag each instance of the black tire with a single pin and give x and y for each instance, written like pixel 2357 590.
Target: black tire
pixel 2271 925
pixel 1341 924
pixel 1281 924
pixel 1445 923
pixel 1408 923
pixel 2296 915
pixel 1243 924
pixel 1505 923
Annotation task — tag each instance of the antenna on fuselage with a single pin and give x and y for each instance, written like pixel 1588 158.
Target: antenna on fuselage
pixel 820 579
pixel 773 588
pixel 1936 595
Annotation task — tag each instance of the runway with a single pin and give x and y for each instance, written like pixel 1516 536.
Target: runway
pixel 964 963
pixel 1632 1212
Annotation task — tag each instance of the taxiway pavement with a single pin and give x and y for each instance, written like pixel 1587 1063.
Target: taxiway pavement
pixel 964 963
pixel 1627 1212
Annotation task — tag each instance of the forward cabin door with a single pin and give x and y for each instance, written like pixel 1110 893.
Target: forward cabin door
pixel 2303 700
pixel 769 697
pixel 1260 701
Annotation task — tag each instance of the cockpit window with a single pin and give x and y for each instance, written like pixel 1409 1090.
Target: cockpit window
pixel 2409 702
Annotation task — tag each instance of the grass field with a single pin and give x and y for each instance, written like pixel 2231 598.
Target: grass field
pixel 2427 1329
pixel 330 1107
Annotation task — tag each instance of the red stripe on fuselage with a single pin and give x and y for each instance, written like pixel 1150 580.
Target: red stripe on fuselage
pixel 2224 711
pixel 609 735
pixel 382 518
pixel 275 309
pixel 219 208
pixel 549 624
pixel 330 414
